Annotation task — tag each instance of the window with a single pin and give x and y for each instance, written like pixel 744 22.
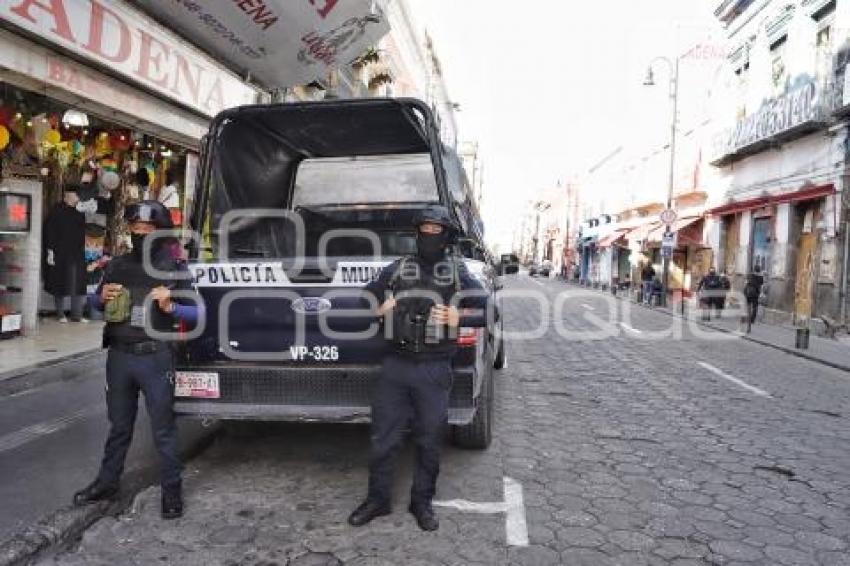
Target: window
pixel 779 71
pixel 365 180
pixel 824 52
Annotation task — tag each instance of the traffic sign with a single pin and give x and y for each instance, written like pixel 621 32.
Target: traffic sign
pixel 668 242
pixel 669 216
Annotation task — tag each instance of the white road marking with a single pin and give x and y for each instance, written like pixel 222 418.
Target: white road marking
pixel 735 380
pixel 535 281
pixel 586 306
pixel 630 329
pixel 25 435
pixel 516 528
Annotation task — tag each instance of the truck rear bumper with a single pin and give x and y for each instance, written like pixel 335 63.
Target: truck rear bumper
pixel 307 394
pixel 290 413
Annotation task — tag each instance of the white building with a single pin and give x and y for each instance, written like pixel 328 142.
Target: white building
pixel 780 150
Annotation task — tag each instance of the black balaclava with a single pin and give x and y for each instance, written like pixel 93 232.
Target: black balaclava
pixel 137 241
pixel 432 247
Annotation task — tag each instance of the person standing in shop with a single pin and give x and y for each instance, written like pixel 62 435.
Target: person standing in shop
pixel 64 255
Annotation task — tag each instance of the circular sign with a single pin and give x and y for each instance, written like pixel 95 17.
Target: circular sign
pixel 668 216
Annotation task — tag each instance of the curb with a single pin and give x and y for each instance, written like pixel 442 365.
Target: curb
pixel 785 349
pixel 59 369
pixel 57 528
pixel 55 532
pixel 790 351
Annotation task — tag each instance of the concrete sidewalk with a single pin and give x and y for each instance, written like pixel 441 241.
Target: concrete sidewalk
pixel 55 353
pixel 831 352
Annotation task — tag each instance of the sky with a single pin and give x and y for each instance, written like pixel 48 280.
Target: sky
pixel 549 88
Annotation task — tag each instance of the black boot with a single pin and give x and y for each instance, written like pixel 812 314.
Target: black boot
pixel 425 516
pixel 367 511
pixel 172 502
pixel 94 492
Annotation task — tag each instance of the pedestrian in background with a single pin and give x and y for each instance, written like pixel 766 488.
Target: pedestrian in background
pixel 711 294
pixel 647 276
pixel 65 255
pixel 752 292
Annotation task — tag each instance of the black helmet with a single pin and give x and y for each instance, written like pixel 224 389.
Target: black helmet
pixel 149 211
pixel 436 215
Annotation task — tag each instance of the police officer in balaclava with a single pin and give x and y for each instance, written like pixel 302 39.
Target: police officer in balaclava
pixel 138 297
pixel 417 298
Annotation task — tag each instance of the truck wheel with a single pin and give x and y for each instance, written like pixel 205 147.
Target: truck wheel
pixel 501 356
pixel 478 434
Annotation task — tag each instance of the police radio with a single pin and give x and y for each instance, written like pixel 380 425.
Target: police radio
pixel 413 328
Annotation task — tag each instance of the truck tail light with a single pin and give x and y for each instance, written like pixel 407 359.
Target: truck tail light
pixel 467 337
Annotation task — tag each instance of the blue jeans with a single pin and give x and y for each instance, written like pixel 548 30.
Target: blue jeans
pixel 412 393
pixel 126 375
pixel 646 295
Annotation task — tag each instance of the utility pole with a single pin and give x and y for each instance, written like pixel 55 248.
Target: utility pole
pixel 674 98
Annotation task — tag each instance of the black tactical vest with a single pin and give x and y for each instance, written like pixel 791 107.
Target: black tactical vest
pixel 129 272
pixel 417 288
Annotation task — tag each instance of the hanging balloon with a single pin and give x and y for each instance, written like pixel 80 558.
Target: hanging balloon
pixel 76 148
pixel 63 153
pixel 109 180
pixel 120 140
pixel 5 115
pixel 108 164
pixel 51 137
pixel 101 145
pixel 53 120
pixel 4 137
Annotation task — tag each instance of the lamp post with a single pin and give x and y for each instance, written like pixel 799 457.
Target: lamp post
pixel 674 98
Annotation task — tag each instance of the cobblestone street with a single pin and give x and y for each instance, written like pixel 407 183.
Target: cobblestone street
pixel 630 450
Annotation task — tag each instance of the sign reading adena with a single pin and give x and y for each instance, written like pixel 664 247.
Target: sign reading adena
pixel 803 104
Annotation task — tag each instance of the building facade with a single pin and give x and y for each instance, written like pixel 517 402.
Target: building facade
pixel 781 153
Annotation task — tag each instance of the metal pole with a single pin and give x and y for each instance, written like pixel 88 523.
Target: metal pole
pixel 845 274
pixel 674 95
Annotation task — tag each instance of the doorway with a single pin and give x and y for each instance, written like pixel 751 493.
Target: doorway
pixel 804 280
pixel 761 244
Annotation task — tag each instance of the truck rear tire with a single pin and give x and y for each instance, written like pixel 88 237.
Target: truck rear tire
pixel 501 356
pixel 478 434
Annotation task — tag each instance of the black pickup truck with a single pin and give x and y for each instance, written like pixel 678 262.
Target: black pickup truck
pixel 298 207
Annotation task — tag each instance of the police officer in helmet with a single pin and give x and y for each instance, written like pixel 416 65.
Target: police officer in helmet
pixel 138 302
pixel 417 297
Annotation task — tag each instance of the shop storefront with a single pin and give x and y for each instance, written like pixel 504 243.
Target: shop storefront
pixel 691 256
pixel 790 237
pixel 122 118
pixel 614 255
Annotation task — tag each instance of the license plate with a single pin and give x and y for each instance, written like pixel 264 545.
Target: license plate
pixel 203 385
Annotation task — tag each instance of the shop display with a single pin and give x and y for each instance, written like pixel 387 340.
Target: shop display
pixel 45 138
pixel 14 224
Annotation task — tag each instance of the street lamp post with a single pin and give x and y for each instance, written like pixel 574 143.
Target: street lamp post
pixel 674 98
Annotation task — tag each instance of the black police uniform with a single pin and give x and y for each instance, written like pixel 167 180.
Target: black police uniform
pixel 415 381
pixel 138 362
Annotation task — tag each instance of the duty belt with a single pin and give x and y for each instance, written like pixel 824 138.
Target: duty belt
pixel 139 348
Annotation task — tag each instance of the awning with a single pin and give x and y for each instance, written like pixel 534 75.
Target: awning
pixel 615 237
pixel 810 193
pixel 280 43
pixel 684 228
pixel 641 233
